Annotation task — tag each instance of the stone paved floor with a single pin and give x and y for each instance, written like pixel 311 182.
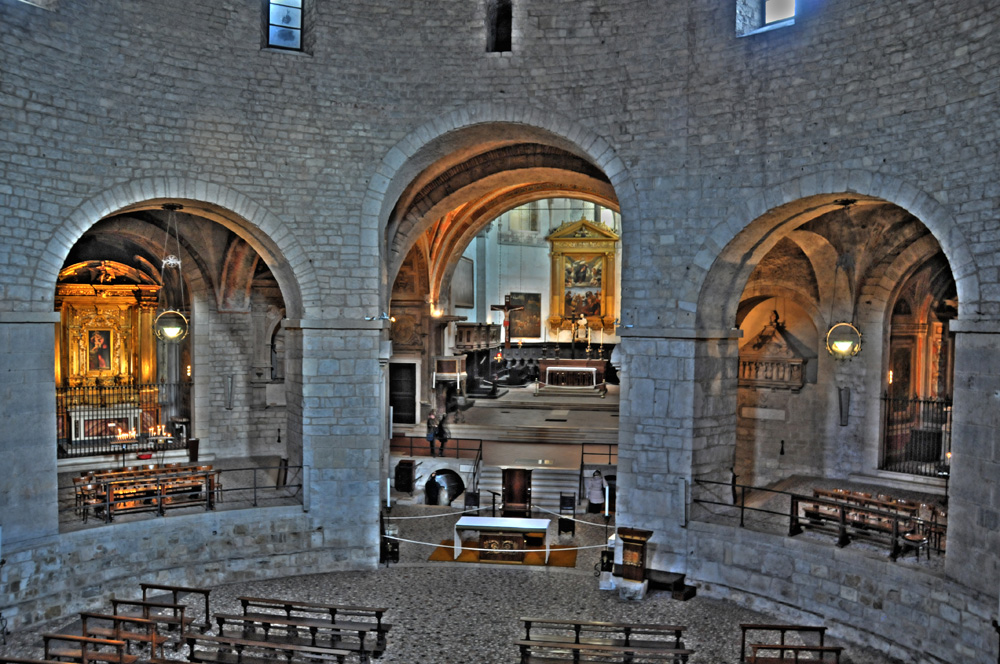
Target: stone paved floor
pixel 455 613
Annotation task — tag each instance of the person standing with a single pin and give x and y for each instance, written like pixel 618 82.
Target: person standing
pixel 441 433
pixel 595 486
pixel 431 430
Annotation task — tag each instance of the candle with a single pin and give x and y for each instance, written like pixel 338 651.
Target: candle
pixel 388 493
pixel 607 503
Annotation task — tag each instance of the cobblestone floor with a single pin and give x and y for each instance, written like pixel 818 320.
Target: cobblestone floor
pixel 444 613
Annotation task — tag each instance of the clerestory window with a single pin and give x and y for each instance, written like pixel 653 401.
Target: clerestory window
pixel 499 26
pixel 754 16
pixel 778 10
pixel 284 24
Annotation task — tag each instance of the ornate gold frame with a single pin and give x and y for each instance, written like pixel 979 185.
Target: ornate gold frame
pixel 588 242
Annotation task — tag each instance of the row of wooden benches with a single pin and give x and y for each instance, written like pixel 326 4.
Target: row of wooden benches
pixel 268 630
pixel 907 525
pixel 551 641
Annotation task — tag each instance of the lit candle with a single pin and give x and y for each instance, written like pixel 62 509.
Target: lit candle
pixel 607 503
pixel 388 495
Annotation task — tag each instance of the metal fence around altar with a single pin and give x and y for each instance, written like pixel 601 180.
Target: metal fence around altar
pixel 916 438
pixel 122 419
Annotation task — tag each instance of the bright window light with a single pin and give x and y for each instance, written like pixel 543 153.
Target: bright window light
pixel 778 10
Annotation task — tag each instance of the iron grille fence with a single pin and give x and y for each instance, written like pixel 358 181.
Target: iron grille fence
pixel 917 435
pixel 116 419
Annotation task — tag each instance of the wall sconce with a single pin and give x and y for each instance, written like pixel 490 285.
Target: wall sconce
pixel 382 316
pixel 843 341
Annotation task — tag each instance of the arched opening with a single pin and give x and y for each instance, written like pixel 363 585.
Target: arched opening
pixel 125 397
pixel 796 413
pixel 503 282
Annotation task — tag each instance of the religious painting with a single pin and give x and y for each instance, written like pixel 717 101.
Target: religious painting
pixel 528 321
pixel 98 349
pixel 462 285
pixel 583 276
pixel 582 285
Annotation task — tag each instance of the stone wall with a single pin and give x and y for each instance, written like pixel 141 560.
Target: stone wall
pixel 58 576
pixel 911 613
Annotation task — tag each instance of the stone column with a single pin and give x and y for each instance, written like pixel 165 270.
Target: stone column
pixel 28 477
pixel 974 485
pixel 677 422
pixel 336 362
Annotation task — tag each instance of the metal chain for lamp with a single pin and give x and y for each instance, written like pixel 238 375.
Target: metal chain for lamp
pixel 171 325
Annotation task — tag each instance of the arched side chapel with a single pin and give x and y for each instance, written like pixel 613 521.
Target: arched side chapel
pixel 713 147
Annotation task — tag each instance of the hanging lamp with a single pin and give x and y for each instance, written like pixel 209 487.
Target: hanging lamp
pixel 171 325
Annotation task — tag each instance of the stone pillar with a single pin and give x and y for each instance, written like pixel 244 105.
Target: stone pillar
pixel 974 486
pixel 342 429
pixel 677 422
pixel 28 478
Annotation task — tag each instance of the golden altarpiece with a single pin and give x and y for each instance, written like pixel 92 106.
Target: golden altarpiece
pixel 583 276
pixel 105 351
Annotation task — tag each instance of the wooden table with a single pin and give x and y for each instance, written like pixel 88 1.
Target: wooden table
pixel 490 524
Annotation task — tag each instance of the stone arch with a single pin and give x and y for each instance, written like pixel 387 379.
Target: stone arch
pixel 263 230
pixel 722 258
pixel 404 162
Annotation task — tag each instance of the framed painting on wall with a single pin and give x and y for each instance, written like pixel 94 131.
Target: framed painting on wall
pixel 528 321
pixel 99 344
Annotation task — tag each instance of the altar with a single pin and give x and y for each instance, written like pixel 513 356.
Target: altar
pixel 572 373
pixel 503 536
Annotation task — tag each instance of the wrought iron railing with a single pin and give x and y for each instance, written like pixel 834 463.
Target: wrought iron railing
pixel 916 438
pixel 95 500
pixel 794 513
pixel 119 419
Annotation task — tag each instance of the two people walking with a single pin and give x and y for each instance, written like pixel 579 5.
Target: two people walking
pixel 436 431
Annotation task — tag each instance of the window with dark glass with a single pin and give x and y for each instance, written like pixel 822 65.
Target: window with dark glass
pixel 499 26
pixel 284 24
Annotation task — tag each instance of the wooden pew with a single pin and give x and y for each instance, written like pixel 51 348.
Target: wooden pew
pixel 278 629
pixel 124 628
pixel 176 592
pixel 167 614
pixel 781 630
pixel 212 649
pixel 604 633
pixel 789 654
pixel 86 649
pixel 336 612
pixel 550 652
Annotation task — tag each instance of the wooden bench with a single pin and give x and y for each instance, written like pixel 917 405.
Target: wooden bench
pixel 356 614
pixel 213 649
pixel 555 652
pixel 176 592
pixel 789 654
pixel 164 613
pixel 817 631
pixel 604 633
pixel 124 628
pixel 85 649
pixel 321 632
pixel 295 606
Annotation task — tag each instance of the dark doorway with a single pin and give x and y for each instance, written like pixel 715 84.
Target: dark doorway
pixel 403 392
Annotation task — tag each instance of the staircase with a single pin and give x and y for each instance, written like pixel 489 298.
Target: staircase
pixel 546 485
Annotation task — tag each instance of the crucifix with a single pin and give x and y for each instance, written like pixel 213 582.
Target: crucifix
pixel 507 308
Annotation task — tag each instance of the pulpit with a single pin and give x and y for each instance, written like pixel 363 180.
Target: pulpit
pixel 634 552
